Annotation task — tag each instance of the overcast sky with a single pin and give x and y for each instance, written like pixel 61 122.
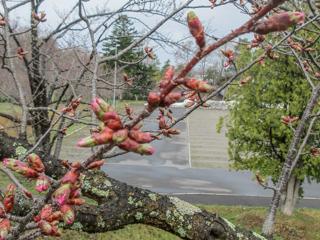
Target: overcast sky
pixel 220 21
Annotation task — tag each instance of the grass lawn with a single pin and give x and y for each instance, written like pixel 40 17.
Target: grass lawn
pixel 303 225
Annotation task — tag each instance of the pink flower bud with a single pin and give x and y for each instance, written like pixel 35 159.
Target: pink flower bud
pixel 48 229
pixel 8 201
pixel 42 184
pixel 196 29
pixel 5 227
pixel 13 163
pixel 104 137
pixel 71 177
pixel 172 98
pixel 67 214
pixel 61 195
pixel 120 135
pixel 141 137
pixel 129 145
pixel 279 22
pixel 100 107
pixel 154 99
pixel 198 85
pixel 95 165
pixel 145 149
pixel 168 76
pixel 35 162
pixel 76 201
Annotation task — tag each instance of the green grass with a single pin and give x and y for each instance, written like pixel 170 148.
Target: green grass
pixel 303 225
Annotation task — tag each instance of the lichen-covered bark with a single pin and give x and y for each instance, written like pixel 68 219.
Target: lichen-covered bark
pixel 120 204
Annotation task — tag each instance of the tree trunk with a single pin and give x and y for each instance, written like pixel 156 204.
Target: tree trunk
pixel 41 121
pixel 291 196
pixel 120 204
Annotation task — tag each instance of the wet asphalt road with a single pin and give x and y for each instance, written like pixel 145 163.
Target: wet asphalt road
pixel 168 170
pixel 204 186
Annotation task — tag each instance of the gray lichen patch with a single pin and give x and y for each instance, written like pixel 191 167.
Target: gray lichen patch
pixel 183 207
pixel 153 196
pixel 138 216
pixel 20 151
pixel 107 183
pixel 182 232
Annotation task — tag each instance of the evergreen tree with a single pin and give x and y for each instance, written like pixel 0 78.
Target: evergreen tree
pixel 258 140
pixel 123 35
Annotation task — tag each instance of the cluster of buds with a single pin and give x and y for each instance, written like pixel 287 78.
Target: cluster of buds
pixel 21 168
pixel 229 54
pixel 21 53
pixel 164 125
pixel 33 170
pixel 72 107
pixel 60 205
pixel 196 29
pixel 163 98
pixel 289 119
pixel 41 17
pixel 279 22
pixel 112 131
pixel 2 22
pixel 257 40
pixel 64 198
pixel 149 52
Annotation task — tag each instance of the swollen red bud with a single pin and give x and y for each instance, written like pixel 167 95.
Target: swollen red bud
pixel 196 29
pixel 154 99
pixel 35 162
pixel 45 212
pixel 61 195
pixel 42 184
pixel 48 229
pixel 172 98
pixel 100 107
pixel 8 201
pixel 198 85
pixel 129 145
pixel 76 201
pixel 67 214
pixel 141 137
pixel 5 227
pixel 56 216
pixel 145 149
pixel 279 22
pixel 95 165
pixel 13 163
pixel 120 135
pixel 169 74
pixel 71 177
pixel 104 137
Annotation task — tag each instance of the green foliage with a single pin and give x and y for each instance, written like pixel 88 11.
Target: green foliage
pixel 143 72
pixel 258 140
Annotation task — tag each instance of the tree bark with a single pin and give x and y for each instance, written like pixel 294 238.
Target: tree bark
pixel 120 204
pixel 41 121
pixel 291 196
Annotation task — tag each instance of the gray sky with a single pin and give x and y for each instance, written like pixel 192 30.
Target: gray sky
pixel 220 21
